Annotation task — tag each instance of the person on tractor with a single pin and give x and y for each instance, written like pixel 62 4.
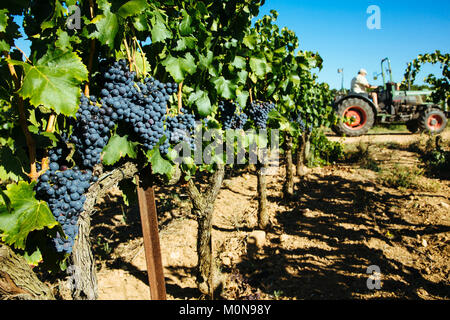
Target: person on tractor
pixel 360 85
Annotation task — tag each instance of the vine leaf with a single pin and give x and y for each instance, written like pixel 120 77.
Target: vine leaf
pixel 159 164
pixel 160 32
pixel 201 100
pixel 132 8
pixel 107 25
pixel 179 67
pixel 28 214
pixel 54 81
pixel 117 148
pixel 259 66
pixel 10 166
pixel 225 88
pixel 3 19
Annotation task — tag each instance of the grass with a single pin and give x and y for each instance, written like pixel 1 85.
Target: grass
pixel 362 155
pixel 404 178
pixel 382 128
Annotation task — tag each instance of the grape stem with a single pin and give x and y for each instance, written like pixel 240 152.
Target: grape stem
pixel 91 52
pixel 250 94
pixel 180 101
pixel 23 53
pixel 142 53
pixel 130 59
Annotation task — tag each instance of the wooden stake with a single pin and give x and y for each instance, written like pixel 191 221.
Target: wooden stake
pixel 149 221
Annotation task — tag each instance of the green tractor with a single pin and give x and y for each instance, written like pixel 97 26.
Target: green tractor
pixel 394 106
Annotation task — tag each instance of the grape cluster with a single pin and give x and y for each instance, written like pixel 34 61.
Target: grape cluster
pixel 64 190
pixel 141 105
pixel 259 112
pixel 301 123
pixel 91 130
pixel 181 128
pixel 231 115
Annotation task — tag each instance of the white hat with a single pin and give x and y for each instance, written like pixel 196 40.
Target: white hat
pixel 363 71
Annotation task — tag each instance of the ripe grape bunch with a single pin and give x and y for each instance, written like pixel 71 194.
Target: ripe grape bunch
pixel 140 105
pixel 91 130
pixel 302 124
pixel 231 115
pixel 181 128
pixel 259 112
pixel 143 105
pixel 64 190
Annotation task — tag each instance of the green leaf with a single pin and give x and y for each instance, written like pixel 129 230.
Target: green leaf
pixel 179 67
pixel 159 164
pixel 185 43
pixel 4 46
pixel 132 8
pixel 6 201
pixel 201 100
pixel 225 88
pixel 159 32
pixel 140 22
pixel 250 41
pixel 117 148
pixel 205 61
pixel 239 62
pixel 10 166
pixel 28 214
pixel 3 19
pixel 242 98
pixel 107 26
pixel 259 66
pixel 34 258
pixel 242 76
pixel 63 41
pixel 54 81
pixel 185 25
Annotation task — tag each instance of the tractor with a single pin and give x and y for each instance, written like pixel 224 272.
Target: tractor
pixel 359 113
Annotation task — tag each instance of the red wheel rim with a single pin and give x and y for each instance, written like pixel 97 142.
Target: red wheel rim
pixel 435 122
pixel 358 116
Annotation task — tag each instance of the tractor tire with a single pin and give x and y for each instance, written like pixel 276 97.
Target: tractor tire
pixel 432 120
pixel 362 114
pixel 412 126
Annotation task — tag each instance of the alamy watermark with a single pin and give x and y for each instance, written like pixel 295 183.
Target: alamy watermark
pixel 374 280
pixel 374 20
pixel 74 19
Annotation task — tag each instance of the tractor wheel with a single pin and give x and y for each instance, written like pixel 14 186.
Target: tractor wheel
pixel 361 115
pixel 432 121
pixel 412 126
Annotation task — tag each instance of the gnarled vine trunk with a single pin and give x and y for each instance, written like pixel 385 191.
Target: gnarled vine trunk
pixel 18 281
pixel 83 278
pixel 289 183
pixel 203 208
pixel 301 155
pixel 263 213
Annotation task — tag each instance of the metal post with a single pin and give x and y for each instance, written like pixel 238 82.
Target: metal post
pixel 149 221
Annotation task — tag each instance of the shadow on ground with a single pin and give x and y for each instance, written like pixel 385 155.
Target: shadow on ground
pixel 332 263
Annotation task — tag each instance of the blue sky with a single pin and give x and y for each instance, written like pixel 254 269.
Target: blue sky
pixel 337 30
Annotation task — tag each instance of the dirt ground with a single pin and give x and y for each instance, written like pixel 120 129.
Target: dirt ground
pixel 319 247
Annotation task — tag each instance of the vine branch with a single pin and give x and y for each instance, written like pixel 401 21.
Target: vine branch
pixel 33 175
